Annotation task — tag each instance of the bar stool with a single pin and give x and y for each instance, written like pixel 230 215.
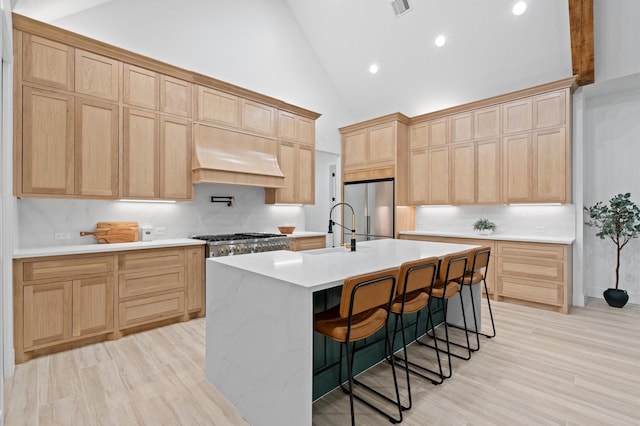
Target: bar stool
pixel 477 262
pixel 412 295
pixel 452 267
pixel 364 309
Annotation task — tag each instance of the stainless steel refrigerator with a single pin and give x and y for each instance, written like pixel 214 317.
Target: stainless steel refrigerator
pixel 372 203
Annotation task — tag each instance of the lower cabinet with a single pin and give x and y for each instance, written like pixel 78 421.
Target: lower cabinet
pixel 66 301
pixel 535 274
pixel 308 243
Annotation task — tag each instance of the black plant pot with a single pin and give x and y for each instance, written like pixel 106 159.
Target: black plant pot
pixel 616 298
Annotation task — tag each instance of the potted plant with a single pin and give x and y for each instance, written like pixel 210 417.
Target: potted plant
pixel 484 226
pixel 620 222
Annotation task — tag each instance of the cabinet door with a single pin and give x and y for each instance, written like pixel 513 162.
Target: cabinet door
pixel 354 149
pixel 47 313
pixel 306 174
pixel 142 283
pixel 175 159
pixel 438 132
pixel 288 164
pixel 287 126
pixel 257 118
pixel 175 96
pixel 517 169
pixel 488 171
pixel 418 136
pixel 516 116
pixel 550 165
pixel 438 175
pixel 418 177
pixel 93 304
pixel 96 148
pixel 487 122
pixel 463 173
pixel 141 87
pixel 47 142
pixel 549 110
pixel 141 156
pixel 382 147
pixel 97 75
pixel 47 62
pixel 218 107
pixel 195 278
pixel 462 129
pixel 306 131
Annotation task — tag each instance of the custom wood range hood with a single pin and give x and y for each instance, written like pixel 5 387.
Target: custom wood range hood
pixel 226 156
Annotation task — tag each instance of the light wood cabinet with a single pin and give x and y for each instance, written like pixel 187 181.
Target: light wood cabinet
pixel 47 62
pixel 308 243
pixel 141 154
pixel 438 176
pixel 97 75
pixel 550 110
pixel 536 167
pixel 487 122
pixel 438 132
pixel 463 173
pixel 96 148
pixel 175 96
pixel 175 159
pixel 296 157
pixel 141 87
pixel 534 273
pixel 218 107
pixel 47 142
pixel 488 171
pixel 195 301
pixel 257 118
pixel 65 301
pixel 418 177
pixel 516 116
pixel 418 138
pixel 462 129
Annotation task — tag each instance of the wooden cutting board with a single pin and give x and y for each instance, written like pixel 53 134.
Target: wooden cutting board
pixel 115 232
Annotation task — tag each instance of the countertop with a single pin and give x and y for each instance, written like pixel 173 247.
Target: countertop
pixel 103 248
pixel 323 268
pixel 542 238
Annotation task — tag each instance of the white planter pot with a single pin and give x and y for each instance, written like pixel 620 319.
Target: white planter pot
pixel 484 231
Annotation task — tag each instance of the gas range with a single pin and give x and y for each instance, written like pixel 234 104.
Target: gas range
pixel 242 243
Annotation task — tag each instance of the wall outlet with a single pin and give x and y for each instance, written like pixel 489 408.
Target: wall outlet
pixel 161 231
pixel 62 236
pixel 540 229
pixel 630 278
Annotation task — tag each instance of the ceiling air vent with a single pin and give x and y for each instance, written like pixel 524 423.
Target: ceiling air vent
pixel 400 7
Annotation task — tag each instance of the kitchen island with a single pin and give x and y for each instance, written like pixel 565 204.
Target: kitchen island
pixel 259 337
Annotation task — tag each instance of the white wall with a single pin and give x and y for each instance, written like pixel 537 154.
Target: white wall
pixel 254 44
pixel 616 38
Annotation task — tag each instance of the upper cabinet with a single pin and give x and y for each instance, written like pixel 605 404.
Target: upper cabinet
pixel 257 118
pixel 370 150
pixel 175 96
pixel 141 87
pixel 47 62
pixel 97 76
pixel 216 107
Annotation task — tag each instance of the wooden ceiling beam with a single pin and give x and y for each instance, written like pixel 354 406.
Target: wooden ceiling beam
pixel 581 25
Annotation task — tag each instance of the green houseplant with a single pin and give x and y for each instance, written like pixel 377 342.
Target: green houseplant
pixel 620 222
pixel 484 226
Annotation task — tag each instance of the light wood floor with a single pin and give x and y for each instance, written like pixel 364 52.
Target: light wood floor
pixel 542 368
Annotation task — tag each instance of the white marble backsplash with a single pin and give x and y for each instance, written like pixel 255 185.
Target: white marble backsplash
pixel 39 220
pixel 524 220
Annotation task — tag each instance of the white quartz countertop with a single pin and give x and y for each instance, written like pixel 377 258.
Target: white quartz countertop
pixel 302 234
pixel 496 236
pixel 102 248
pixel 326 268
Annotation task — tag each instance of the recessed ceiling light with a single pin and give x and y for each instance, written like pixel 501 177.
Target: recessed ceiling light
pixel 373 68
pixel 519 8
pixel 440 40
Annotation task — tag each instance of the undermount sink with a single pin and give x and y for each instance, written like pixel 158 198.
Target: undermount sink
pixel 333 250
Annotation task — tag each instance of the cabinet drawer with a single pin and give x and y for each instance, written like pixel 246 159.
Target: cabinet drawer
pixel 145 282
pixel 532 250
pixel 59 268
pixel 548 270
pixel 149 309
pixel 531 290
pixel 145 259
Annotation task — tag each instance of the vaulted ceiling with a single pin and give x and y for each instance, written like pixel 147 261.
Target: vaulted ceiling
pixel 488 49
